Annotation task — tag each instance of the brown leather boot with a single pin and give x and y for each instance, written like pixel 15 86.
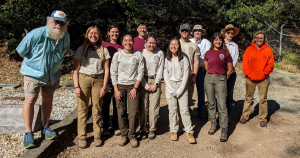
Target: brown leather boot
pixel 190 138
pixel 98 142
pixel 213 128
pixel 82 143
pixel 134 143
pixel 174 136
pixel 123 141
pixel 224 135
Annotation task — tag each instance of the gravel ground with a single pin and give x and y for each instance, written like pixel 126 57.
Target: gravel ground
pixel 280 139
pixel 11 145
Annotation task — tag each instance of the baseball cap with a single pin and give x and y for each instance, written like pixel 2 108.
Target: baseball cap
pixel 59 15
pixel 185 26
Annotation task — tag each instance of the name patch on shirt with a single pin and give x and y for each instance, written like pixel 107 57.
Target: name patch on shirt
pixel 221 56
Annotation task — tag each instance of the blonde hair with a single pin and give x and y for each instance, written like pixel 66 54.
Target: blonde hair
pixel 265 37
pixel 86 43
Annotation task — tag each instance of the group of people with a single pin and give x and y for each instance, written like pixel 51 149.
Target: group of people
pixel 129 71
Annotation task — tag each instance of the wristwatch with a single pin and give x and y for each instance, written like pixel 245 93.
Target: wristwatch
pixel 135 88
pixel 156 84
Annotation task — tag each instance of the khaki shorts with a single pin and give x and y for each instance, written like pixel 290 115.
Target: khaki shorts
pixel 32 87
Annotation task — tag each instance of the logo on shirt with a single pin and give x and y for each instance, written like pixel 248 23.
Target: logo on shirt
pixel 222 56
pixel 181 64
pixel 156 58
pixel 134 60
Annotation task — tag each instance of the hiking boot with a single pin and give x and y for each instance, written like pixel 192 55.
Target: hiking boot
pixel 98 142
pixel 213 129
pixel 151 135
pixel 123 141
pixel 105 132
pixel 263 124
pixel 224 135
pixel 243 121
pixel 29 140
pixel 190 138
pixel 82 143
pixel 143 135
pixel 134 143
pixel 48 133
pixel 117 132
pixel 174 136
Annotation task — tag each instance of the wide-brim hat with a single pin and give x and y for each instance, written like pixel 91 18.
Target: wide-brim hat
pixel 198 27
pixel 230 26
pixel 59 16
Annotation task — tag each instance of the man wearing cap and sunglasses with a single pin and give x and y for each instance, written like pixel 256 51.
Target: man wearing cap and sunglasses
pixel 203 46
pixel 43 51
pixel 192 52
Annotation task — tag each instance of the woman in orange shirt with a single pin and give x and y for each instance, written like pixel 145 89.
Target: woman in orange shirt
pixel 258 63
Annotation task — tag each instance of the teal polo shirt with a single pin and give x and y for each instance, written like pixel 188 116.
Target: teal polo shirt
pixel 42 58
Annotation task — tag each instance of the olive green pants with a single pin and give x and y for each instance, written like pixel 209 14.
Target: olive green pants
pixel 216 85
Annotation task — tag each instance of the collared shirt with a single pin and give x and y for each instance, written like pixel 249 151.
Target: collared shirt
pixel 233 49
pixel 203 46
pixel 43 58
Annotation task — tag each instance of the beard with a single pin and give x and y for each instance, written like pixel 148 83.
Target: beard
pixel 56 32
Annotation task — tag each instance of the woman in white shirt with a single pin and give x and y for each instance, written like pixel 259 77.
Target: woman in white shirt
pixel 176 74
pixel 91 73
pixel 150 90
pixel 127 71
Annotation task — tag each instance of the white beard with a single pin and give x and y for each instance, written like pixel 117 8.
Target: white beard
pixel 55 34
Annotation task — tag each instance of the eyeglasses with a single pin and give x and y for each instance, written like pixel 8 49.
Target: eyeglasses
pixel 59 22
pixel 259 38
pixel 232 33
pixel 184 30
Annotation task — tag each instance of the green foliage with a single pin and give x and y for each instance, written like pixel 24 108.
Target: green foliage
pixel 278 66
pixel 291 58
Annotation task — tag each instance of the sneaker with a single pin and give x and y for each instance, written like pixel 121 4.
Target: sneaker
pixel 151 135
pixel 105 132
pixel 243 121
pixel 134 143
pixel 224 135
pixel 82 143
pixel 98 142
pixel 117 132
pixel 263 124
pixel 174 136
pixel 123 141
pixel 49 134
pixel 29 141
pixel 143 135
pixel 190 138
pixel 213 129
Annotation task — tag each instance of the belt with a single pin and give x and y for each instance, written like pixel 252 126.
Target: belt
pixel 216 74
pixel 93 75
pixel 150 77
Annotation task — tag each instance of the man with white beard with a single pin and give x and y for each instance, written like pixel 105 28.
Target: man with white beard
pixel 43 51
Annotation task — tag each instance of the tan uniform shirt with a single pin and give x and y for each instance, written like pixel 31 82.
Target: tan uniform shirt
pixel 190 49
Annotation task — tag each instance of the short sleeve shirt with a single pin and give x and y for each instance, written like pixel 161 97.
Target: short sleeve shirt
pixel 112 49
pixel 139 44
pixel 43 58
pixel 92 64
pixel 217 61
pixel 190 49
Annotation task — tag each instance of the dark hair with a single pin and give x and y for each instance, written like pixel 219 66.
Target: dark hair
pixel 224 47
pixel 151 36
pixel 111 26
pixel 179 52
pixel 127 35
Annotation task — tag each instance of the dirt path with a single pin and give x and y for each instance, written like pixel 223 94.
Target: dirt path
pixel 280 139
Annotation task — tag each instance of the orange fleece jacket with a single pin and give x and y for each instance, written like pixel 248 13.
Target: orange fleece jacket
pixel 258 64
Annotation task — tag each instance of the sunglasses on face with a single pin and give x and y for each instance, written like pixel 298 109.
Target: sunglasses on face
pixel 60 23
pixel 151 35
pixel 232 33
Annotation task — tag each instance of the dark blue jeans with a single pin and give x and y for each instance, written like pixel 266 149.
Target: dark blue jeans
pixel 230 88
pixel 106 108
pixel 200 90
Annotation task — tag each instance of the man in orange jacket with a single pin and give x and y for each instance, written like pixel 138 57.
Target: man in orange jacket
pixel 258 63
